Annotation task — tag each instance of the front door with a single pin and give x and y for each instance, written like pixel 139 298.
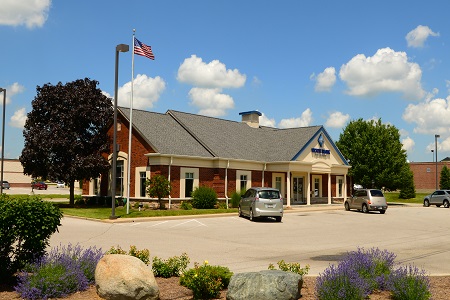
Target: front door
pixel 297 189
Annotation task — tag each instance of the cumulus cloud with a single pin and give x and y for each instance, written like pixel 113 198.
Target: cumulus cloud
pixel 386 71
pixel 11 91
pixel 325 80
pixel 212 75
pixel 265 121
pixel 31 13
pixel 443 145
pixel 408 144
pixel 304 120
pixel 430 117
pixel 146 92
pixel 337 120
pixel 416 38
pixel 19 118
pixel 210 101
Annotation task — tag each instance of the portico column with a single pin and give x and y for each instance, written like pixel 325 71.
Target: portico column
pixel 288 187
pixel 329 188
pixel 308 189
pixel 345 187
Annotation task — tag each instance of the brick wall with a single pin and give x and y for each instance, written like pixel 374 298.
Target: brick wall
pixel 425 174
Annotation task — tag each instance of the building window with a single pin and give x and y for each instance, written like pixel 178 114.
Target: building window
pixel 119 178
pixel 243 180
pixel 96 187
pixel 278 183
pixel 189 184
pixel 428 170
pixel 142 180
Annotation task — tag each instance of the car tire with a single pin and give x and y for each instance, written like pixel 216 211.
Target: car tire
pixel 365 209
pixel 426 203
pixel 240 212
pixel 446 204
pixel 347 206
pixel 438 205
pixel 382 211
pixel 278 219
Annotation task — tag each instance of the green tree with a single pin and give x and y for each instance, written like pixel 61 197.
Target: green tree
pixel 158 187
pixel 66 132
pixel 375 153
pixel 444 183
pixel 408 190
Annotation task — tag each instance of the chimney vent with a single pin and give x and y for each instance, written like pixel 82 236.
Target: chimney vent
pixel 251 118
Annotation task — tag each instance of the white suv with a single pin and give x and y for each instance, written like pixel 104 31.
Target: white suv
pixel 438 198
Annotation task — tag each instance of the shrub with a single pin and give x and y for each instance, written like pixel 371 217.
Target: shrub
pixel 26 224
pixel 206 281
pixel 143 255
pixel 186 205
pixel 357 275
pixel 235 199
pixel 61 272
pixel 204 197
pixel 173 266
pixel 409 283
pixel 290 267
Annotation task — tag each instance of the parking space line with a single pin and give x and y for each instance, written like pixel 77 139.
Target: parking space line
pixel 157 224
pixel 192 220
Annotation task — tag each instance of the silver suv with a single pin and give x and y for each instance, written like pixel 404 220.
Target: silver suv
pixel 367 200
pixel 438 198
pixel 261 202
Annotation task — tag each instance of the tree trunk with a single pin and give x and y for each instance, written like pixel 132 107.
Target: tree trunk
pixel 72 193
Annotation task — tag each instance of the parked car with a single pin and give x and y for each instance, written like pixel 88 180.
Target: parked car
pixel 60 184
pixel 438 198
pixel 39 185
pixel 261 202
pixel 5 184
pixel 367 200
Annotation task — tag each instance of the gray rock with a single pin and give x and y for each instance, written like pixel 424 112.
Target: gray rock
pixel 265 285
pixel 124 277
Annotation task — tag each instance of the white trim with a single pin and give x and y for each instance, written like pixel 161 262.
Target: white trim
pixel 239 173
pixel 314 177
pixel 183 172
pixel 338 177
pixel 283 180
pixel 137 180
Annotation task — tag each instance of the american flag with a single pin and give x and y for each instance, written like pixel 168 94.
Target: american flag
pixel 142 49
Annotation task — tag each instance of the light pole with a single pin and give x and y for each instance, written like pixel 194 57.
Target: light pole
pixel 119 48
pixel 435 151
pixel 3 137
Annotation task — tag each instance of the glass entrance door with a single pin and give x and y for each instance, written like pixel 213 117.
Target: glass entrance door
pixel 297 189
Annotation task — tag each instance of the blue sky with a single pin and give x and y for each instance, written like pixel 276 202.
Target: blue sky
pixel 300 63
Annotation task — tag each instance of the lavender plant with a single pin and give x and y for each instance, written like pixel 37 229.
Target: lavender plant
pixel 409 283
pixel 64 270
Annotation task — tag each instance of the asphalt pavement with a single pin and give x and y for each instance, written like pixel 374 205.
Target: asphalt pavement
pixel 317 235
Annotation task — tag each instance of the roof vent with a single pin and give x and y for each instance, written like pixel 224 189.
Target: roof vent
pixel 251 118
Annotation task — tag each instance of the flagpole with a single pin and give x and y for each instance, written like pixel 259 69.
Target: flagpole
pixel 131 127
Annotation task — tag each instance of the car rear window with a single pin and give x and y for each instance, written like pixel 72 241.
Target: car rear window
pixel 376 193
pixel 269 194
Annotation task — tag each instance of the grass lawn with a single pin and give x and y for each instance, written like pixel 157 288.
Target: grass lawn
pixel 121 212
pixel 393 197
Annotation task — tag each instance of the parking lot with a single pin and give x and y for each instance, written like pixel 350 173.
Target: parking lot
pixel 415 234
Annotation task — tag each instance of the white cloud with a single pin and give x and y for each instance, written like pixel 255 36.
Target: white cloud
pixel 265 121
pixel 416 38
pixel 19 118
pixel 212 75
pixel 408 144
pixel 146 92
pixel 443 145
pixel 325 80
pixel 31 13
pixel 386 71
pixel 210 101
pixel 12 90
pixel 337 120
pixel 430 116
pixel 304 120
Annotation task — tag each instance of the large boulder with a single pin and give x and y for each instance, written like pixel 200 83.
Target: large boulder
pixel 265 285
pixel 124 277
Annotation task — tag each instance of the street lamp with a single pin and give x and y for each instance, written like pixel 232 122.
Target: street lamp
pixel 3 138
pixel 432 155
pixel 119 48
pixel 435 151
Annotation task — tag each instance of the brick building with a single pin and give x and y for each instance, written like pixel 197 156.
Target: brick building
pixel 193 150
pixel 425 173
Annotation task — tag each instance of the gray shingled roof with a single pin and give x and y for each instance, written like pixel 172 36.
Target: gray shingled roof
pixel 182 133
